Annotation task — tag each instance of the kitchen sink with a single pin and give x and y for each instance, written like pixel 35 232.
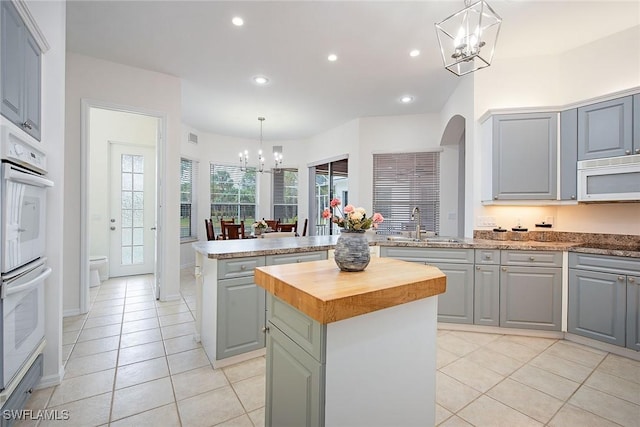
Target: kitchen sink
pixel 424 239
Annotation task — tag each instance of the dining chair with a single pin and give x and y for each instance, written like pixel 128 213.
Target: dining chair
pixel 288 227
pixel 223 231
pixel 272 223
pixel 233 231
pixel 304 229
pixel 208 225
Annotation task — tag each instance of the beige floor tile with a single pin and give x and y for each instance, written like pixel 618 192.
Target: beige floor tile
pixel 529 401
pixel 110 294
pixel 140 325
pixel 606 406
pixel 39 398
pixel 142 397
pixel 486 411
pixel 621 367
pixel 534 343
pixel 172 309
pixel 479 338
pixel 174 319
pixel 251 392
pixel 103 321
pixel 455 421
pixel 73 323
pixel 571 415
pixel 515 350
pixel 92 411
pixel 100 345
pixel 179 344
pixel 140 353
pixel 442 414
pixel 139 299
pixel 178 330
pixel 472 374
pixel 142 337
pixel 503 365
pixel 70 337
pixel 246 369
pixel 241 421
pixel 565 368
pixel 456 345
pixel 147 305
pixel 107 303
pixel 210 408
pixel 82 387
pixel 616 386
pixel 139 292
pixel 577 353
pixel 187 360
pixel 99 332
pixel 451 394
pixel 66 351
pixel 139 315
pixel 141 372
pixel 545 381
pixel 163 416
pixel 444 357
pixel 105 311
pixel 257 417
pixel 196 381
pixel 88 364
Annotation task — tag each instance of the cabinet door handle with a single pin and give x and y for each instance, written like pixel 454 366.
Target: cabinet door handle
pixel 632 280
pixel 243 267
pixel 487 256
pixel 620 278
pixel 504 268
pixel 532 258
pixel 637 150
pixel 477 267
pixel 627 151
pixel 265 329
pixel 27 125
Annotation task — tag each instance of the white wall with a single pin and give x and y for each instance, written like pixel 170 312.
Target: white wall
pixel 51 19
pixel 108 82
pixel 110 126
pixel 594 70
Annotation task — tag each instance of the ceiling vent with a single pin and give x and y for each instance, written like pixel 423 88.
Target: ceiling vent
pixel 193 138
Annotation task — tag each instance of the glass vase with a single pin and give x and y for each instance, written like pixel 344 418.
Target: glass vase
pixel 352 250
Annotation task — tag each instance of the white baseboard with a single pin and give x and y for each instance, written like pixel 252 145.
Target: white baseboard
pixel 620 351
pixel 172 297
pixel 51 380
pixel 71 312
pixel 188 265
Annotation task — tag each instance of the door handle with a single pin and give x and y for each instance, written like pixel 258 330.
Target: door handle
pixel 112 227
pixel 153 228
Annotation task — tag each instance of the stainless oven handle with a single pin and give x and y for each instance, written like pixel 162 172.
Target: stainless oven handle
pixel 26 286
pixel 26 178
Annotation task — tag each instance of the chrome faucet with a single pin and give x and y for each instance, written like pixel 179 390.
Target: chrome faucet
pixel 415 215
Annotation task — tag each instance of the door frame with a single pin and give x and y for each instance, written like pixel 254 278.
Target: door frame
pixel 85 106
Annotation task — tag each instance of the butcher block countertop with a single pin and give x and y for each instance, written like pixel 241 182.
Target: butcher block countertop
pixel 323 292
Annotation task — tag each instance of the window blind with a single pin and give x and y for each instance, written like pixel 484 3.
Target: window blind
pixel 402 181
pixel 285 195
pixel 187 210
pixel 233 193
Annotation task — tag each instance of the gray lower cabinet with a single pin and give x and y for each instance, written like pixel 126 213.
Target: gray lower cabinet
pixel 18 398
pixel 604 298
pixel 20 72
pixel 525 156
pixel 295 374
pixel 241 317
pixel 486 307
pixel 456 304
pixel 605 129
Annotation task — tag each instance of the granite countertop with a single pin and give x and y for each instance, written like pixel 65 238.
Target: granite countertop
pixel 226 249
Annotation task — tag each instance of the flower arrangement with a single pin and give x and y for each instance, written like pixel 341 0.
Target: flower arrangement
pixel 259 224
pixel 351 218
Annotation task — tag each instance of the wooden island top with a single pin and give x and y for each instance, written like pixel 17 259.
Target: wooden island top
pixel 323 292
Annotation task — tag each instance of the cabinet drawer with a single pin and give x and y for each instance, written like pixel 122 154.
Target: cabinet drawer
pixel 487 256
pixel 303 330
pixel 238 267
pixel 22 392
pixel 294 258
pixel 604 263
pixel 429 255
pixel 533 258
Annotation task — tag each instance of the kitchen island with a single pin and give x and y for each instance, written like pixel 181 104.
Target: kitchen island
pixel 348 348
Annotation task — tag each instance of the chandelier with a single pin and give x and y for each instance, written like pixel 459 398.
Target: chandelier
pixel 467 38
pixel 244 157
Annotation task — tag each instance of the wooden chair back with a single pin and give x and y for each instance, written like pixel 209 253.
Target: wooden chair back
pixel 304 229
pixel 208 225
pixel 223 230
pixel 233 231
pixel 272 223
pixel 288 227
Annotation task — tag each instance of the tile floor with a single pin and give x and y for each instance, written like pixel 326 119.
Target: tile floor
pixel 132 361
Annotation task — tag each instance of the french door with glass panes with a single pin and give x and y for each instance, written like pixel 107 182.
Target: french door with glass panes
pixel 132 220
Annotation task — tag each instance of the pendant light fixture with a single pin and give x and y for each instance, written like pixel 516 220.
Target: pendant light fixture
pixel 244 157
pixel 467 38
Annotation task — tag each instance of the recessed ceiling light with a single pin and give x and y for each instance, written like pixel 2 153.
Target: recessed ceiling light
pixel 261 80
pixel 414 53
pixel 332 57
pixel 406 99
pixel 237 21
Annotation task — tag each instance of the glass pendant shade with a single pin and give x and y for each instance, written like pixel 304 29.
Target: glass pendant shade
pixel 468 38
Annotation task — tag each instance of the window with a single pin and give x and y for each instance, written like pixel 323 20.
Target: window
pixel 402 181
pixel 285 195
pixel 188 170
pixel 233 194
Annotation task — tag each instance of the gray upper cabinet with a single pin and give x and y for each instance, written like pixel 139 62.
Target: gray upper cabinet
pixel 20 71
pixel 569 154
pixel 636 124
pixel 605 129
pixel 525 156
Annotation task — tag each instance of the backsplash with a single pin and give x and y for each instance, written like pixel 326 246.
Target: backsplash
pixel 560 236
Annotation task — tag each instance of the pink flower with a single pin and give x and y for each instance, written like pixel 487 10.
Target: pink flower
pixel 326 213
pixel 377 217
pixel 349 209
pixel 334 202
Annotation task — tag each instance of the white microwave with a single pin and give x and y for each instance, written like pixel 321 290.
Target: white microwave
pixel 610 179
